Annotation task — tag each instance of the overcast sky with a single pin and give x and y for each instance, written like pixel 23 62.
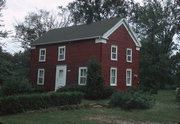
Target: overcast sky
pixel 16 10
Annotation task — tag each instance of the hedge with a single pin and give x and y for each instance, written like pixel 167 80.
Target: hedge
pixel 22 103
pixel 132 100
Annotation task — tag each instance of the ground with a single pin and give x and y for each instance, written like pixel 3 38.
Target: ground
pixel 165 111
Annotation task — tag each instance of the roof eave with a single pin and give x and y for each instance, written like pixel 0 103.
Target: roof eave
pixel 69 40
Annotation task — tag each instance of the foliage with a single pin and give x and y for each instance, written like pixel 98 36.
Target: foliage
pixel 135 99
pixel 106 92
pixel 18 85
pixel 22 103
pixel 156 23
pixel 36 24
pixel 95 80
pixel 3 33
pixel 178 94
pixel 71 88
pixel 88 11
pixel 6 65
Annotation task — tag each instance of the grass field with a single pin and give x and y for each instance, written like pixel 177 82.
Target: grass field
pixel 166 110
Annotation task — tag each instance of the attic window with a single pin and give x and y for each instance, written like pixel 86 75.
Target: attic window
pixel 61 53
pixel 42 55
pixel 129 55
pixel 114 52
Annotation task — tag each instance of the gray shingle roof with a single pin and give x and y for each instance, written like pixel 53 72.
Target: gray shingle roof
pixel 75 33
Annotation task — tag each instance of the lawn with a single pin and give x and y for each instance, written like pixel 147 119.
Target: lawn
pixel 166 110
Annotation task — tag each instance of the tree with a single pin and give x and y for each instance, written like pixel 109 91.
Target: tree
pixel 6 65
pixel 94 86
pixel 88 11
pixel 3 33
pixel 156 22
pixel 38 23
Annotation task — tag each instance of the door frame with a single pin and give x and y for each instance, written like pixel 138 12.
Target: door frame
pixel 60 67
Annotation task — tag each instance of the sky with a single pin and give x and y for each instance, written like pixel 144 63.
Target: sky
pixel 16 10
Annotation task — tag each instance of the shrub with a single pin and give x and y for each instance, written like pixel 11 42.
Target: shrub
pixel 178 94
pixel 21 103
pixel 136 99
pixel 71 88
pixel 16 85
pixel 94 80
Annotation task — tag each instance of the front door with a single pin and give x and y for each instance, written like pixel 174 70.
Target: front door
pixel 60 77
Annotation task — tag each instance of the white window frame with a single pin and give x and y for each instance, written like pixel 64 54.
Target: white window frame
pixel 112 83
pixel 38 76
pixel 40 55
pixel 116 53
pixel 61 47
pixel 128 55
pixel 79 75
pixel 128 83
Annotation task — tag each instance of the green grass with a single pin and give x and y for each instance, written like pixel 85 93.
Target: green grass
pixel 165 110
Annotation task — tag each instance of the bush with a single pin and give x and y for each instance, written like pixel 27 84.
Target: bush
pixel 16 85
pixel 106 91
pixel 22 103
pixel 136 99
pixel 71 88
pixel 95 80
pixel 178 94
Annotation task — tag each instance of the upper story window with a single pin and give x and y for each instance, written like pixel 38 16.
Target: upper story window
pixel 61 53
pixel 82 75
pixel 113 76
pixel 128 77
pixel 129 55
pixel 114 52
pixel 42 55
pixel 40 77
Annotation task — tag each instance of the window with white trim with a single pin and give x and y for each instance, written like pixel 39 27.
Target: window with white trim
pixel 113 76
pixel 129 55
pixel 42 54
pixel 128 77
pixel 40 76
pixel 114 52
pixel 61 53
pixel 82 79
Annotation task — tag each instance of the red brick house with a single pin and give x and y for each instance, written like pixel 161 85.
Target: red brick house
pixel 60 57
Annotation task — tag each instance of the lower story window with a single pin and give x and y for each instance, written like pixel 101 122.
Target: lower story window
pixel 128 77
pixel 40 77
pixel 113 76
pixel 82 76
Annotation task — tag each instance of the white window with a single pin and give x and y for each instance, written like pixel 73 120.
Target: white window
pixel 114 52
pixel 129 55
pixel 113 76
pixel 82 75
pixel 128 77
pixel 40 77
pixel 61 53
pixel 42 55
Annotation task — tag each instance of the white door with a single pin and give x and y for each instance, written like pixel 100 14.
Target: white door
pixel 60 76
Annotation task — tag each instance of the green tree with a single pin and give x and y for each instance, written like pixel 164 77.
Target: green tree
pixel 38 23
pixel 88 11
pixel 156 22
pixel 6 65
pixel 95 80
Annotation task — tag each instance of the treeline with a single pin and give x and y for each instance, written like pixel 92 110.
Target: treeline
pixel 156 22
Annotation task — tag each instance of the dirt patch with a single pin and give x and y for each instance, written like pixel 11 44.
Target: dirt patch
pixel 117 120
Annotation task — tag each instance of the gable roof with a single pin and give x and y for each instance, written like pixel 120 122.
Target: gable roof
pixel 101 30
